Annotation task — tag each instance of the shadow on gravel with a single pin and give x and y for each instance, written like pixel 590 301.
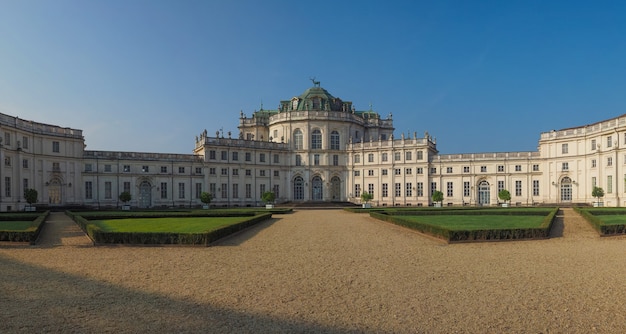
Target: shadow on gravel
pixel 37 299
pixel 245 235
pixel 558 225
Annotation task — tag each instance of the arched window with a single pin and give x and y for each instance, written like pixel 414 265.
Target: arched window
pixel 316 139
pixel 334 140
pixel 298 188
pixel 297 139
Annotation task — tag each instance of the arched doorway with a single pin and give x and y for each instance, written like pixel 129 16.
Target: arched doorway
pixel 335 188
pixel 145 194
pixel 316 189
pixel 483 193
pixel 298 189
pixel 566 189
pixel 54 191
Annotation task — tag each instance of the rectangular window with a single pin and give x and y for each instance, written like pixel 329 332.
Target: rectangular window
pixel 211 170
pixel 88 167
pixel 420 189
pixel 145 169
pixel 163 190
pixel 466 189
pixel 261 188
pixel 450 189
pixel 483 169
pixel 535 187
pixel 7 139
pixel 593 182
pixel 224 155
pixel 212 155
pixel 335 160
pixel 224 171
pixel 248 190
pixel 107 168
pixel 126 168
pixel 408 156
pixel 357 173
pixel 262 157
pixel 181 190
pixel 535 168
pixel 565 166
pixel 370 157
pixel 276 173
pixel 500 168
pixel 357 190
pixel 7 161
pixel 409 189
pixel 163 169
pixel 88 190
pixel 235 190
pixel 262 172
pixel 213 189
pixel 316 159
pixel 408 171
pixel 564 148
pixel 609 184
pixel 248 156
pixel 275 189
pixel 398 190
pixel 518 168
pixel 385 190
pixel 466 169
pixel 25 184
pixel 56 167
pixel 449 170
pixel 224 189
pixel 370 188
pixel 181 170
pixel 518 188
pixel 198 190
pixel 357 159
pixel 420 155
pixel 276 160
pixel 384 171
pixel 25 142
pixel 56 147
pixel 235 171
pixel 198 170
pixel 500 186
pixel 126 186
pixel 433 170
pixel 433 187
pixel 609 141
pixel 609 161
pixel 248 172
pixel 384 157
pixel 398 171
pixel 108 193
pixel 235 156
pixel 370 172
pixel 593 144
pixel 397 156
pixel 419 170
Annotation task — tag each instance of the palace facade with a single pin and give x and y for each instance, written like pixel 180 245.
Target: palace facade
pixel 314 147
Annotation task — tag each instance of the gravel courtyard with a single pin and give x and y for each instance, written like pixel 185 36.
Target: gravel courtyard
pixel 325 271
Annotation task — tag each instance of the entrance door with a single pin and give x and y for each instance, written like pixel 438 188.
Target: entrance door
pixel 145 194
pixel 54 192
pixel 298 189
pixel 483 193
pixel 566 189
pixel 317 188
pixel 335 189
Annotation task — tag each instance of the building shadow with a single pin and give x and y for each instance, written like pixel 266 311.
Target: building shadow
pixel 558 225
pixel 37 299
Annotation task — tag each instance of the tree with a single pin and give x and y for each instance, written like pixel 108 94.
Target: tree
pixel 598 193
pixel 437 196
pixel 366 197
pixel 30 195
pixel 206 197
pixel 125 197
pixel 268 197
pixel 504 195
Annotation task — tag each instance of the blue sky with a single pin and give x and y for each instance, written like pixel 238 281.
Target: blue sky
pixel 479 76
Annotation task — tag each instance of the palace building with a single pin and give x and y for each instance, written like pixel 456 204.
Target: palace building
pixel 314 147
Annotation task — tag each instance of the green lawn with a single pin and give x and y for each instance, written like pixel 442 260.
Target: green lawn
pixel 174 225
pixel 23 225
pixel 479 222
pixel 612 219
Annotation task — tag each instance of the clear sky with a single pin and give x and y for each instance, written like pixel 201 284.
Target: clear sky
pixel 148 76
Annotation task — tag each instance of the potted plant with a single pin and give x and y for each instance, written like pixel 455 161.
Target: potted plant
pixel 30 195
pixel 268 197
pixel 125 197
pixel 504 195
pixel 437 198
pixel 205 198
pixel 597 193
pixel 365 198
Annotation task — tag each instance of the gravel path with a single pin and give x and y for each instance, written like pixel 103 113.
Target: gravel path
pixel 325 271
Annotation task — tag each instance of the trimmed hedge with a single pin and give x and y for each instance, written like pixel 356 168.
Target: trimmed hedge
pixel 29 235
pixel 164 238
pixel 603 229
pixel 451 236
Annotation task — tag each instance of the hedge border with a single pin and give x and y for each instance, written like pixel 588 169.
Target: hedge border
pixel 603 229
pixel 30 235
pixel 100 237
pixel 459 236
